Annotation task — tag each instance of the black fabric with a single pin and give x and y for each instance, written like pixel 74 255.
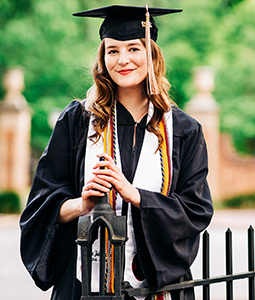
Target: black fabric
pixel 47 247
pixel 129 154
pixel 166 228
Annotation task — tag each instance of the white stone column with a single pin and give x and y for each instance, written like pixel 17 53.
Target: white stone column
pixel 204 108
pixel 15 123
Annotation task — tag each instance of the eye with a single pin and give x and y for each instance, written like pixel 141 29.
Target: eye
pixel 114 51
pixel 134 49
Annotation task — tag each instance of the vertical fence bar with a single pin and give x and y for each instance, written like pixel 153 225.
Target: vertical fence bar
pixel 229 264
pixel 118 270
pixel 206 265
pixel 102 261
pixel 251 261
pixel 181 292
pixel 86 269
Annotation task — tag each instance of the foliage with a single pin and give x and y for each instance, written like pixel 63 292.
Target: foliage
pixel 57 51
pixel 9 202
pixel 187 43
pixel 235 65
pixel 242 201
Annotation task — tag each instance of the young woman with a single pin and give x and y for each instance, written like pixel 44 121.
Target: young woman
pixel 154 171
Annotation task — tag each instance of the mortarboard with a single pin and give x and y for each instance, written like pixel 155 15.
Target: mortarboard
pixel 130 22
pixel 125 22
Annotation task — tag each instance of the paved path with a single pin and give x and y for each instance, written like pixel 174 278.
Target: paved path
pixel 15 283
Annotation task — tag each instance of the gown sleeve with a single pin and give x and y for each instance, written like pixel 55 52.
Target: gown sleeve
pixel 46 245
pixel 171 224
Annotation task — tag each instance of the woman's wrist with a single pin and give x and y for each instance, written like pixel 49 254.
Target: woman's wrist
pixel 135 198
pixel 70 210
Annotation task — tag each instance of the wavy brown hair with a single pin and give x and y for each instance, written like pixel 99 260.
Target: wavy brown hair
pixel 101 96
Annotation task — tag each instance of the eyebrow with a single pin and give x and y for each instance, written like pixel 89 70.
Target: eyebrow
pixel 130 44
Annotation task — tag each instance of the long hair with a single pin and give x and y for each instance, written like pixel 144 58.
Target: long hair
pixel 101 96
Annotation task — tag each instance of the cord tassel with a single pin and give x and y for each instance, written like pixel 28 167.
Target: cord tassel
pixel 153 85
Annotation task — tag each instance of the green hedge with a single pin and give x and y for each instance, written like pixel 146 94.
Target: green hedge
pixel 9 202
pixel 242 201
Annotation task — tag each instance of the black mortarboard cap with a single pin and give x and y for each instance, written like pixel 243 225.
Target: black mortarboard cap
pixel 125 22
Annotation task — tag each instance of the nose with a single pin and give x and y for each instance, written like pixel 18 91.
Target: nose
pixel 123 58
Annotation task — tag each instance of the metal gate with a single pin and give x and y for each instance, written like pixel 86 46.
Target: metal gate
pixel 103 217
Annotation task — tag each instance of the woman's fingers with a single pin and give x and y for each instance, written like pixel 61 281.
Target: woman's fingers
pixel 87 194
pixel 90 197
pixel 93 186
pixel 98 184
pixel 107 167
pixel 106 157
pixel 114 177
pixel 108 171
pixel 108 162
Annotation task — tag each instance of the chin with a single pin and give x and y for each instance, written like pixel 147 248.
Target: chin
pixel 129 85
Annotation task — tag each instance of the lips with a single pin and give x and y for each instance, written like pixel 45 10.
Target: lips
pixel 125 71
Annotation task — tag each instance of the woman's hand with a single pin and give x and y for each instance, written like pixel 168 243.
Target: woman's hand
pixel 108 172
pixel 93 189
pixel 106 176
pixel 74 208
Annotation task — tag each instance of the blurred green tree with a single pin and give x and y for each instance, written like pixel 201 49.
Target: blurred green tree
pixel 57 51
pixel 234 59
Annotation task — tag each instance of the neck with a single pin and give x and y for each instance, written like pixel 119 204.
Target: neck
pixel 135 101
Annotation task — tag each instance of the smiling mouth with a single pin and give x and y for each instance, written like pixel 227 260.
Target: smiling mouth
pixel 125 72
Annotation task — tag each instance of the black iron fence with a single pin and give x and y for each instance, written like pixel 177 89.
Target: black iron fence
pixel 103 218
pixel 206 281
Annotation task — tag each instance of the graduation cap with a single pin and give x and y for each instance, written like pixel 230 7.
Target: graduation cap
pixel 126 22
pixel 130 22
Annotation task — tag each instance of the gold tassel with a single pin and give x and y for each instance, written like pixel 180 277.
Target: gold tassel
pixel 153 85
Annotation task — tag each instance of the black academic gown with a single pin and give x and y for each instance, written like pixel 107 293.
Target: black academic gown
pixel 166 227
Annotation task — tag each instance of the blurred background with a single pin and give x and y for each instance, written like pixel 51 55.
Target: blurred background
pixel 46 56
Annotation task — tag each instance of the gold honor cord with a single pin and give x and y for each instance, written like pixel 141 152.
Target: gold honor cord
pixel 165 163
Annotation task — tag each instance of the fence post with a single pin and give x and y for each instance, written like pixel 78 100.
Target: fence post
pixel 251 261
pixel 102 218
pixel 229 264
pixel 206 265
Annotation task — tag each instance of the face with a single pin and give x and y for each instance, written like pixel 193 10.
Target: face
pixel 126 62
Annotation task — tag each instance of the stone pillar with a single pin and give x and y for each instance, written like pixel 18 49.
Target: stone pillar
pixel 204 108
pixel 15 123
